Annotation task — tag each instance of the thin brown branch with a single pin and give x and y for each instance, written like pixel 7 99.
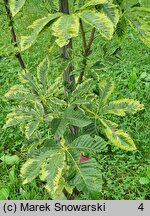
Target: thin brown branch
pixel 87 48
pixel 83 34
pixel 91 40
pixel 13 36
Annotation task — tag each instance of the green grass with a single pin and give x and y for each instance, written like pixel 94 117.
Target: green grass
pixel 121 170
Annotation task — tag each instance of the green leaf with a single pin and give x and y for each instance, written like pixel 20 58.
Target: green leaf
pixel 4 193
pixel 137 19
pixel 32 83
pixel 61 128
pixel 17 92
pixel 100 21
pixel 83 88
pixel 121 29
pixel 93 3
pixel 37 26
pixel 57 101
pixel 65 28
pixel 76 118
pixel 123 106
pixel 112 12
pixel 12 176
pixel 15 6
pixel 148 171
pixel 39 108
pixel 52 173
pixel 10 159
pixel 108 123
pixel 31 168
pixel 106 87
pixel 42 72
pixel 13 119
pixel 31 127
pixel 144 180
pixel 88 178
pixel 120 139
pixel 48 118
pixel 86 143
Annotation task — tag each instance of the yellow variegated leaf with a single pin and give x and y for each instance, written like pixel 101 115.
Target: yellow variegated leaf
pixel 31 127
pixel 82 88
pixel 58 101
pixel 120 139
pixel 93 3
pixel 30 164
pixel 123 106
pixel 112 12
pixel 16 89
pixel 138 18
pixel 48 118
pixel 19 92
pixel 37 26
pixel 31 168
pixel 108 123
pixel 100 21
pixel 15 6
pixel 106 87
pixel 42 71
pixel 39 108
pixel 52 172
pixel 66 27
pixel 13 119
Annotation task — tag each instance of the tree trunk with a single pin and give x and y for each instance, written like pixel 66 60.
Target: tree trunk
pixel 13 36
pixel 68 77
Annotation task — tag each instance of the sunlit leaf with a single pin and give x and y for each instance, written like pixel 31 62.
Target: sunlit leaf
pixel 65 28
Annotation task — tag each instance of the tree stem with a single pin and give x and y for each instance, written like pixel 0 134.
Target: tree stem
pixel 87 48
pixel 83 34
pixel 64 8
pixel 13 36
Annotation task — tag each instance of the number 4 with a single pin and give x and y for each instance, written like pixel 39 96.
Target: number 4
pixel 141 207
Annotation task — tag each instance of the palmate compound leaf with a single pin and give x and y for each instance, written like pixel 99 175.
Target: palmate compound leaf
pixel 42 72
pixel 123 106
pixel 31 168
pixel 37 26
pixel 66 27
pixel 106 87
pixel 15 6
pixel 100 21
